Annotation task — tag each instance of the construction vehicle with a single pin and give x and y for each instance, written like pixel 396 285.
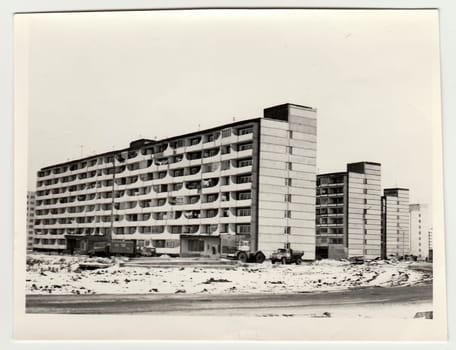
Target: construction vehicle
pixel 287 256
pixel 242 253
pixel 120 247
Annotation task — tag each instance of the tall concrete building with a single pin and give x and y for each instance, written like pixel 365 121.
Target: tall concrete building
pixel 331 216
pixel 197 194
pixel 420 225
pixel 30 219
pixel 348 212
pixel 395 222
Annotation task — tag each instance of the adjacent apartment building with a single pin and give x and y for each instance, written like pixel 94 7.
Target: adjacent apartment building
pixel 419 230
pixel 348 212
pixel 30 219
pixel 197 194
pixel 395 222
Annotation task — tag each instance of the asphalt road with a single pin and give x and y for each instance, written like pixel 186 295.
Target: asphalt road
pixel 230 304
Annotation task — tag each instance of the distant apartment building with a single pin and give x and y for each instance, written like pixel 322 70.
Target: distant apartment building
pixel 430 246
pixel 348 212
pixel 420 223
pixel 30 219
pixel 197 194
pixel 395 222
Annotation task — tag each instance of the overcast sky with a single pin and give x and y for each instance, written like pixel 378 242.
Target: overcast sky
pixel 103 79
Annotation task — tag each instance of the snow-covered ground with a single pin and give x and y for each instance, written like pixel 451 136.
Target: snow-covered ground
pixel 61 275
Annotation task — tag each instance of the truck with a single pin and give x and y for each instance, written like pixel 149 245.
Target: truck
pixel 243 253
pixel 287 256
pixel 120 247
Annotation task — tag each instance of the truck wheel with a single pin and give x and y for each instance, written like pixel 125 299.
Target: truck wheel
pixel 242 257
pixel 260 258
pixel 298 261
pixel 284 261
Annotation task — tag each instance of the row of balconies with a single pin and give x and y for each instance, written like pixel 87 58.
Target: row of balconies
pixel 195 187
pixel 156 215
pixel 147 216
pixel 158 151
pixel 214 169
pixel 187 228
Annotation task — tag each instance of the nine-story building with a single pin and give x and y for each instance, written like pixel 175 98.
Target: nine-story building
pixel 197 194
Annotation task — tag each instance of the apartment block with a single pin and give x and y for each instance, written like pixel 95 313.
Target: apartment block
pixel 30 219
pixel 348 212
pixel 331 216
pixel 420 225
pixel 197 194
pixel 395 222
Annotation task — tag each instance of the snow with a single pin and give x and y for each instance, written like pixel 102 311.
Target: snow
pixel 60 275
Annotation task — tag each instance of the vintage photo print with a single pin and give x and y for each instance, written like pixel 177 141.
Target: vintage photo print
pixel 229 175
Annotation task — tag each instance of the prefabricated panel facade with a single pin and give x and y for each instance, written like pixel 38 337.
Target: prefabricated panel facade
pixel 420 225
pixel 251 180
pixel 331 214
pixel 287 168
pixel 364 209
pixel 396 223
pixel 30 219
pixel 348 217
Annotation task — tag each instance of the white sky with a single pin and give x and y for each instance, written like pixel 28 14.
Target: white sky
pixel 104 79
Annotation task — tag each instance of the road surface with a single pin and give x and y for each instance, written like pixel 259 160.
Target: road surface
pixel 414 298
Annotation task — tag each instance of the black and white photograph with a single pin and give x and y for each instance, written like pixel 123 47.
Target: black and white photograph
pixel 278 166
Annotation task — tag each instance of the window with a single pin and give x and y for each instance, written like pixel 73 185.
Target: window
pixel 288 182
pixel 226 132
pixel 243 228
pixel 194 141
pixel 244 195
pixel 365 190
pixel 157 229
pixel 172 243
pixel 365 181
pixel 245 131
pixel 242 179
pixel 226 149
pixel 195 245
pixel 288 198
pixel 289 150
pixel 290 134
pixel 210 138
pixel 158 243
pixel 365 201
pixel 211 198
pixel 289 166
pixel 245 146
pixel 287 230
pixel 288 213
pixel 224 212
pixel 225 164
pixel 244 162
pixel 243 212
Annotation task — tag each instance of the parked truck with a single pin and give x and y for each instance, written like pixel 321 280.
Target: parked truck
pixel 120 247
pixel 287 256
pixel 243 253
